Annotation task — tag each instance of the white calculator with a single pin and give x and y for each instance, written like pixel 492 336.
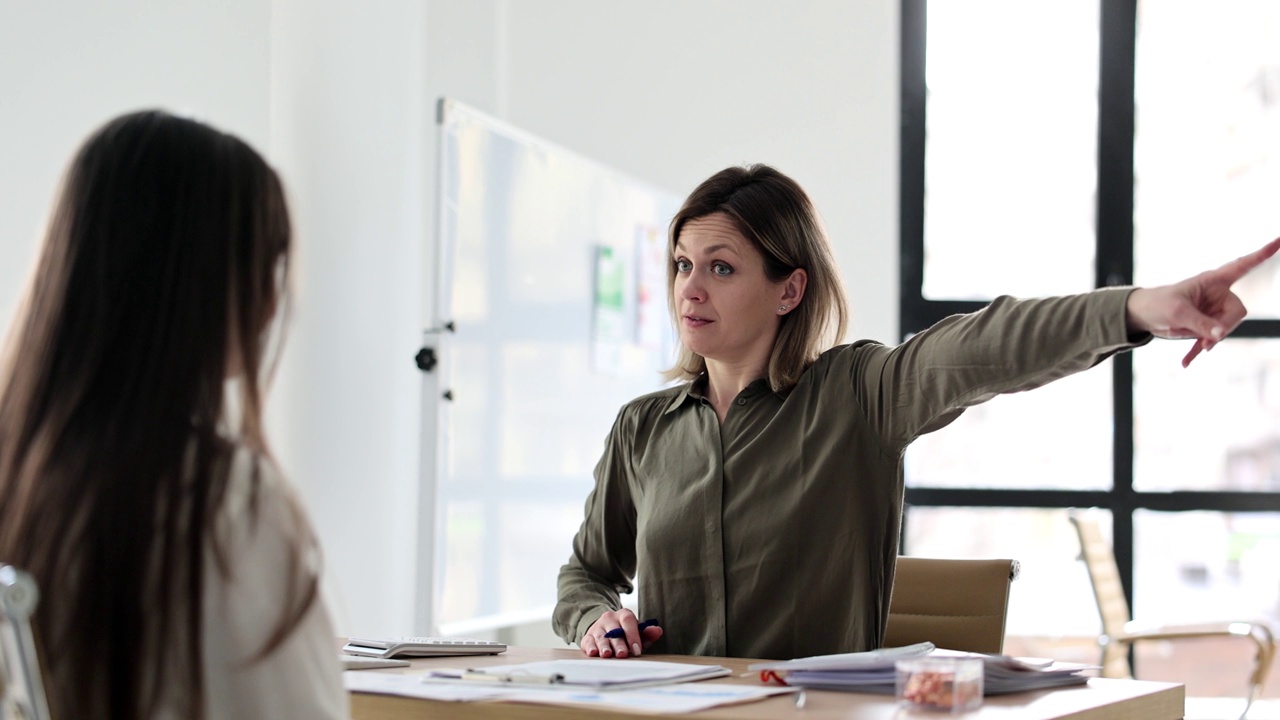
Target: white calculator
pixel 421 647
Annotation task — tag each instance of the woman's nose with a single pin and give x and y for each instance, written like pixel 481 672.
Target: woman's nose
pixel 691 290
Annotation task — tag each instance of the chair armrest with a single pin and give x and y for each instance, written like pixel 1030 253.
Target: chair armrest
pixel 1258 633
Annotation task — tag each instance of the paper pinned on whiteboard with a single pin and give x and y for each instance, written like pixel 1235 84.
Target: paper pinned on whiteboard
pixel 609 334
pixel 653 322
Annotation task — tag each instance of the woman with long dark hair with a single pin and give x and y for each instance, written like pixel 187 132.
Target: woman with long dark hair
pixel 178 569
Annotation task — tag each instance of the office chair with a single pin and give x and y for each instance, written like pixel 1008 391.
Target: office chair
pixel 21 686
pixel 954 604
pixel 1120 632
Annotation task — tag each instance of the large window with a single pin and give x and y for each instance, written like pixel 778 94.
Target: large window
pixel 1063 145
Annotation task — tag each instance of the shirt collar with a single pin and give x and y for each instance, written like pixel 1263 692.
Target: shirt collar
pixel 689 391
pixel 696 390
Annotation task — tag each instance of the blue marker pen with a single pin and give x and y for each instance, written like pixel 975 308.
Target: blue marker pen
pixel 619 632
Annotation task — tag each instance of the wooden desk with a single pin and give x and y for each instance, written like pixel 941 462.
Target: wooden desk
pixel 1099 700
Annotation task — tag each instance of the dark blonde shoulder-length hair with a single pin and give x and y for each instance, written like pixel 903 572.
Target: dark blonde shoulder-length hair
pixel 776 216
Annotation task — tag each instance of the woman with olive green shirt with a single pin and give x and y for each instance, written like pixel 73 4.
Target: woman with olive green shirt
pixel 774 534
pixel 760 502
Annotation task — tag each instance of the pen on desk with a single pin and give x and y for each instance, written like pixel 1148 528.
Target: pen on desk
pixel 619 632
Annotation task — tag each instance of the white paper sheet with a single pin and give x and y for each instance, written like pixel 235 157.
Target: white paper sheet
pixel 587 673
pixel 664 699
pixel 381 683
pixel 680 698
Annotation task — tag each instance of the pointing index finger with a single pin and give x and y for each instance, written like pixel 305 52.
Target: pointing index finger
pixel 1239 267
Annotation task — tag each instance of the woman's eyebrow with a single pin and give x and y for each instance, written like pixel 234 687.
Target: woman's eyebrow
pixel 711 248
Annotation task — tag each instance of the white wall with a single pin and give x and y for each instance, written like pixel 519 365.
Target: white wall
pixel 349 125
pixel 68 67
pixel 340 96
pixel 671 91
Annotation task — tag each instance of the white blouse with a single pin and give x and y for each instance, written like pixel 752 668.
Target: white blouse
pixel 302 676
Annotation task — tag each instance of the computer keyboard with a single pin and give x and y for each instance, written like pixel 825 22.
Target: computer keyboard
pixel 421 647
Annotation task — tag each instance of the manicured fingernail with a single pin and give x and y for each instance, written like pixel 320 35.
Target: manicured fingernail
pixel 1216 332
pixel 635 648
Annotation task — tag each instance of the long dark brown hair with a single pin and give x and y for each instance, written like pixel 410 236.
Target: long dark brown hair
pixel 163 265
pixel 776 216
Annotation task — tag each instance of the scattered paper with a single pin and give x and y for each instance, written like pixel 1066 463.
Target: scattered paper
pixel 381 683
pixel 593 674
pixel 679 698
pixel 664 699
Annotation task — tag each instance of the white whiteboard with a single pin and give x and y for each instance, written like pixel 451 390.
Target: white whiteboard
pixel 552 276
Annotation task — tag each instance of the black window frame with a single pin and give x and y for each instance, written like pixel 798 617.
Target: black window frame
pixel 1115 267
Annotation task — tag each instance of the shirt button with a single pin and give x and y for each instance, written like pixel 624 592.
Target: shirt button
pixel 742 401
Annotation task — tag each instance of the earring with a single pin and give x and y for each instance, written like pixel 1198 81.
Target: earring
pixel 782 308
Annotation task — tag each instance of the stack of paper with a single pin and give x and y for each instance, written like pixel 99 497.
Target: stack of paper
pixel 874 671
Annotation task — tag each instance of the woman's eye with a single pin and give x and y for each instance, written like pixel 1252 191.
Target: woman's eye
pixel 721 269
pixel 683 266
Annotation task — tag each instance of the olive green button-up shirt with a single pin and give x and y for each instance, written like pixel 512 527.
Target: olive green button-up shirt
pixel 774 534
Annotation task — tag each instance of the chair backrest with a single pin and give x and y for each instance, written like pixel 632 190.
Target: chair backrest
pixel 1104 574
pixel 954 604
pixel 21 685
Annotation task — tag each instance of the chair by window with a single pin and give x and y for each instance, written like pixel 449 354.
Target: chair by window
pixel 21 686
pixel 1120 631
pixel 957 604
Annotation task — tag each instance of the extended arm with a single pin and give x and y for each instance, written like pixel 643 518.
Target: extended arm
pixel 1015 345
pixel 1012 345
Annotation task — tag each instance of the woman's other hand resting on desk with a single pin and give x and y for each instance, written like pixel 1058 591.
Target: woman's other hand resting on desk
pixel 1201 307
pixel 595 644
